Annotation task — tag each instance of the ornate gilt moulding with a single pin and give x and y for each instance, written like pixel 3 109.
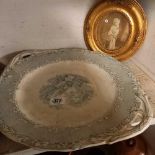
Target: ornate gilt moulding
pixel 116 27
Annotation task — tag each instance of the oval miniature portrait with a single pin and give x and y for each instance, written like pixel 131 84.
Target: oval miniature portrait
pixel 116 28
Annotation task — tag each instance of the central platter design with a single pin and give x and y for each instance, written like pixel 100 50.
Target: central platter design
pixel 67 88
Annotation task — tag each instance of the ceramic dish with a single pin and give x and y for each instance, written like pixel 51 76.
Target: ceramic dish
pixel 116 27
pixel 69 99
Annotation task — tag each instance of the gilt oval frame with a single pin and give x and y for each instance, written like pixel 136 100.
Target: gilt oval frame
pixel 133 12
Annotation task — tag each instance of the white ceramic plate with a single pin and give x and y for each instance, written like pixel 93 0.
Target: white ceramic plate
pixel 70 99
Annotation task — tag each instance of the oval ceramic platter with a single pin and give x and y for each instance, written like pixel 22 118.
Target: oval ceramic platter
pixel 70 99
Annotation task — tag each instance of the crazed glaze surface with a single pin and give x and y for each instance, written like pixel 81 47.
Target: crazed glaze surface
pixel 66 88
pixel 73 86
pixel 128 115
